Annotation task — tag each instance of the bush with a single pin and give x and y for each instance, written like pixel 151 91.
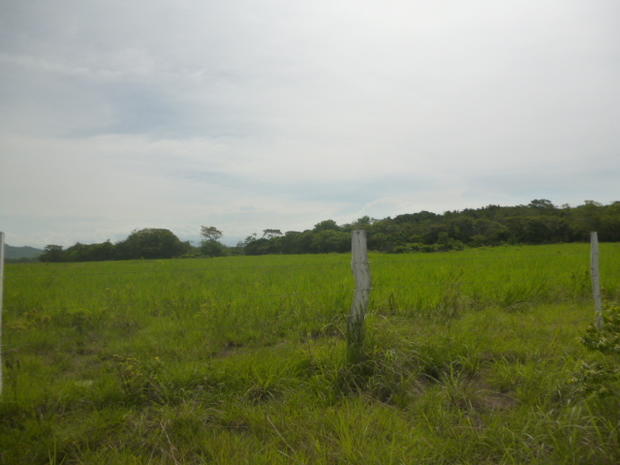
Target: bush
pixel 601 378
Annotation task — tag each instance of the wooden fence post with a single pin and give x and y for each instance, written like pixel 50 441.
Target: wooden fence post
pixel 596 280
pixel 361 271
pixel 1 298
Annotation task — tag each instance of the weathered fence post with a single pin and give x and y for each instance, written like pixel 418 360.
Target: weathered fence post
pixel 1 298
pixel 596 280
pixel 361 271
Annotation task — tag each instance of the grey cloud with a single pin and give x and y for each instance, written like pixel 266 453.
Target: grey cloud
pixel 285 113
pixel 350 191
pixel 560 184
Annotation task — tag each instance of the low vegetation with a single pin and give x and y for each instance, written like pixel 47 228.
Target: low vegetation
pixel 483 356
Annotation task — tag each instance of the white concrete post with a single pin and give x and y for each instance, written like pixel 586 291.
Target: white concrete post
pixel 596 280
pixel 361 271
pixel 1 299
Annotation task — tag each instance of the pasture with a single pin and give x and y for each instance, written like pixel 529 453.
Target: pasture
pixel 473 357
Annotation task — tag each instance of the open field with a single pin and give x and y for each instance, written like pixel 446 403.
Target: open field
pixel 473 357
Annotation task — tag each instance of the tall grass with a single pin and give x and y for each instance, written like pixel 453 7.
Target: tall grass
pixel 241 360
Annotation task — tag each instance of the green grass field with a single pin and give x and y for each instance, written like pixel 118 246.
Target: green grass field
pixel 473 358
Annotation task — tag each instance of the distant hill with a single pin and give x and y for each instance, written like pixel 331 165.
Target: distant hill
pixel 17 253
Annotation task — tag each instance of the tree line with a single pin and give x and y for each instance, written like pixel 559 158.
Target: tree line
pixel 145 243
pixel 539 222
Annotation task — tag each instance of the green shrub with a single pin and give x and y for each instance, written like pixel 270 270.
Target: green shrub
pixel 601 378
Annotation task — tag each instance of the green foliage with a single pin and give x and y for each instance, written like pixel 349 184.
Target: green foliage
pixel 145 243
pixel 271 233
pixel 539 222
pixel 151 243
pixel 596 378
pixel 210 233
pixel 607 339
pixel 52 253
pixel 211 248
pixel 262 246
pixel 326 225
pixel 601 377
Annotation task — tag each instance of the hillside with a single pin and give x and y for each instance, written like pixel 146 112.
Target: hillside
pixel 16 253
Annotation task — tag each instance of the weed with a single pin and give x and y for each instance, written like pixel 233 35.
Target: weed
pixel 141 380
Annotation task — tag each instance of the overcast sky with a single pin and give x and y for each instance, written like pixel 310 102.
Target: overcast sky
pixel 249 114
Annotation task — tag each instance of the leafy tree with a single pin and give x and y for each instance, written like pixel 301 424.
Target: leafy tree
pixel 210 246
pixel 542 204
pixel 271 233
pixel 151 243
pixel 210 233
pixel 103 251
pixel 609 227
pixel 363 223
pixel 52 253
pixel 326 225
pixel 329 240
pixel 291 242
pixel 260 246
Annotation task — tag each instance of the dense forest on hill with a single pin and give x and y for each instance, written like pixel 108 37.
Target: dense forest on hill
pixel 539 222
